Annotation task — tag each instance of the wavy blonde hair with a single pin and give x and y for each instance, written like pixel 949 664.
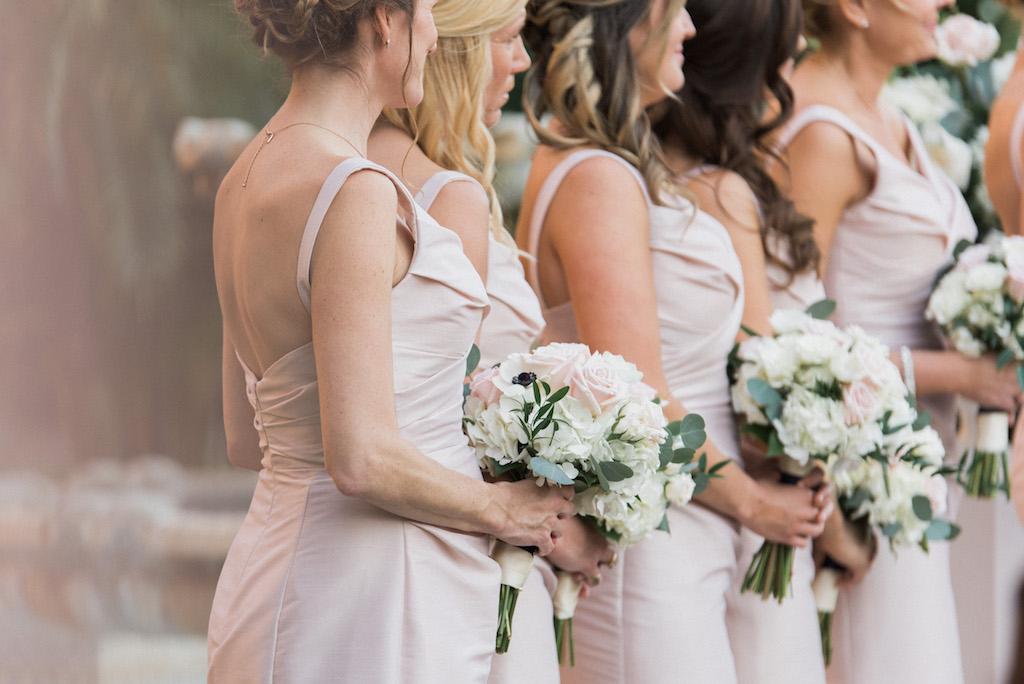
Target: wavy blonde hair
pixel 448 124
pixel 584 74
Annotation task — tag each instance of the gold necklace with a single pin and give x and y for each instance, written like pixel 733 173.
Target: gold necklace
pixel 269 135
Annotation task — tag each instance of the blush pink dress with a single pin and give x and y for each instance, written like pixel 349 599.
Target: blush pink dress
pixel 320 587
pixel 899 624
pixel 667 611
pixel 512 325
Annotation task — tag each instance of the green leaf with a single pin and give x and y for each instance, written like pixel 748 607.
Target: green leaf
pixel 775 447
pixel 922 507
pixel 749 331
pixel 545 468
pixel 1005 357
pixel 663 525
pixel 1020 377
pixel 665 453
pixel 821 310
pixel 691 430
pixel 700 482
pixel 684 455
pixel 536 392
pixel 718 466
pixel 614 471
pixel 892 529
pixel 473 360
pixel 923 420
pixel 766 396
pixel 558 395
pixel 941 529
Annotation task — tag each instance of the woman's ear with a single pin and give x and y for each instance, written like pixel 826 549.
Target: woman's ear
pixel 855 12
pixel 382 26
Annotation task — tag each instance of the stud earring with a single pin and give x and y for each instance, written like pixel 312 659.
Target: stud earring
pixel 387 43
pixel 864 23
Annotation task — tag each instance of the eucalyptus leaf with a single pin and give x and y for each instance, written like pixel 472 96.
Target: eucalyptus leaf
pixel 892 529
pixel 614 471
pixel 924 419
pixel 941 529
pixel 473 360
pixel 684 455
pixel 1005 357
pixel 922 507
pixel 545 468
pixel 821 310
pixel 700 482
pixel 766 396
pixel 663 525
pixel 665 454
pixel 691 430
pixel 775 447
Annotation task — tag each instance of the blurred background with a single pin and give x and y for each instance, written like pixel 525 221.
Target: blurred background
pixel 117 503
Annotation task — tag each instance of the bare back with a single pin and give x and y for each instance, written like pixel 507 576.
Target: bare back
pixel 258 229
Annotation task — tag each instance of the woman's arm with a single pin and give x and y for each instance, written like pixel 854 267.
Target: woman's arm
pixel 356 261
pixel 463 208
pixel 598 227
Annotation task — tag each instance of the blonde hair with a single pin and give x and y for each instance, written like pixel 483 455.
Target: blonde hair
pixel 448 124
pixel 585 75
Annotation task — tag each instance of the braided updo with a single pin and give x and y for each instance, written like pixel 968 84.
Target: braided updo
pixel 585 75
pixel 300 31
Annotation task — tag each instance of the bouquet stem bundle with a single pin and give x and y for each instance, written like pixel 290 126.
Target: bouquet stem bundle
pixel 826 593
pixel 771 570
pixel 988 472
pixel 567 594
pixel 516 564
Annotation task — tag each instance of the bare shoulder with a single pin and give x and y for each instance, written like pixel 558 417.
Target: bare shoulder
pixel 728 197
pixel 467 194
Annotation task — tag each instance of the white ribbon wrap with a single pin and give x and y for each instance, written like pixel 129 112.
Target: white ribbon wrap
pixel 993 431
pixel 567 595
pixel 791 466
pixel 826 589
pixel 515 563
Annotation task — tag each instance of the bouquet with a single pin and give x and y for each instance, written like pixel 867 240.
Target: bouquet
pixel 813 394
pixel 979 305
pixel 899 489
pixel 563 415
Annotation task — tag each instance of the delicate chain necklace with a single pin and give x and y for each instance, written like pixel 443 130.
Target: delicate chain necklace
pixel 269 135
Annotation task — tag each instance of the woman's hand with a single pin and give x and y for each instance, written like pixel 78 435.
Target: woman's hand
pixel 532 515
pixel 993 387
pixel 852 545
pixel 582 550
pixel 788 514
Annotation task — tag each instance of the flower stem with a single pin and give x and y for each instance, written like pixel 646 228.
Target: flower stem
pixel 506 608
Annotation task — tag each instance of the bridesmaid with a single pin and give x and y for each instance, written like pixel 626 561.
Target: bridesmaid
pixel 1004 169
pixel 364 553
pixel 443 150
pixel 620 254
pixel 717 138
pixel 886 220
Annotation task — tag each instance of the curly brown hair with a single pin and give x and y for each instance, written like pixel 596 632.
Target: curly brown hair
pixel 584 74
pixel 732 70
pixel 300 31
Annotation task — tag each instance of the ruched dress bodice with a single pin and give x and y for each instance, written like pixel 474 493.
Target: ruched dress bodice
pixel 515 321
pixel 319 586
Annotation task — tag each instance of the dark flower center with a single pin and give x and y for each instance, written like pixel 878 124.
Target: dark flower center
pixel 525 379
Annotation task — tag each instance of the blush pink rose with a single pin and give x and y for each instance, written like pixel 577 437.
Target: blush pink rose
pixel 963 40
pixel 973 256
pixel 482 386
pixel 555 362
pixel 1015 275
pixel 596 385
pixel 860 401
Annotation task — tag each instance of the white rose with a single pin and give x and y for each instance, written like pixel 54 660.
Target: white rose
pixel 810 425
pixel 987 276
pixel 951 154
pixel 923 98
